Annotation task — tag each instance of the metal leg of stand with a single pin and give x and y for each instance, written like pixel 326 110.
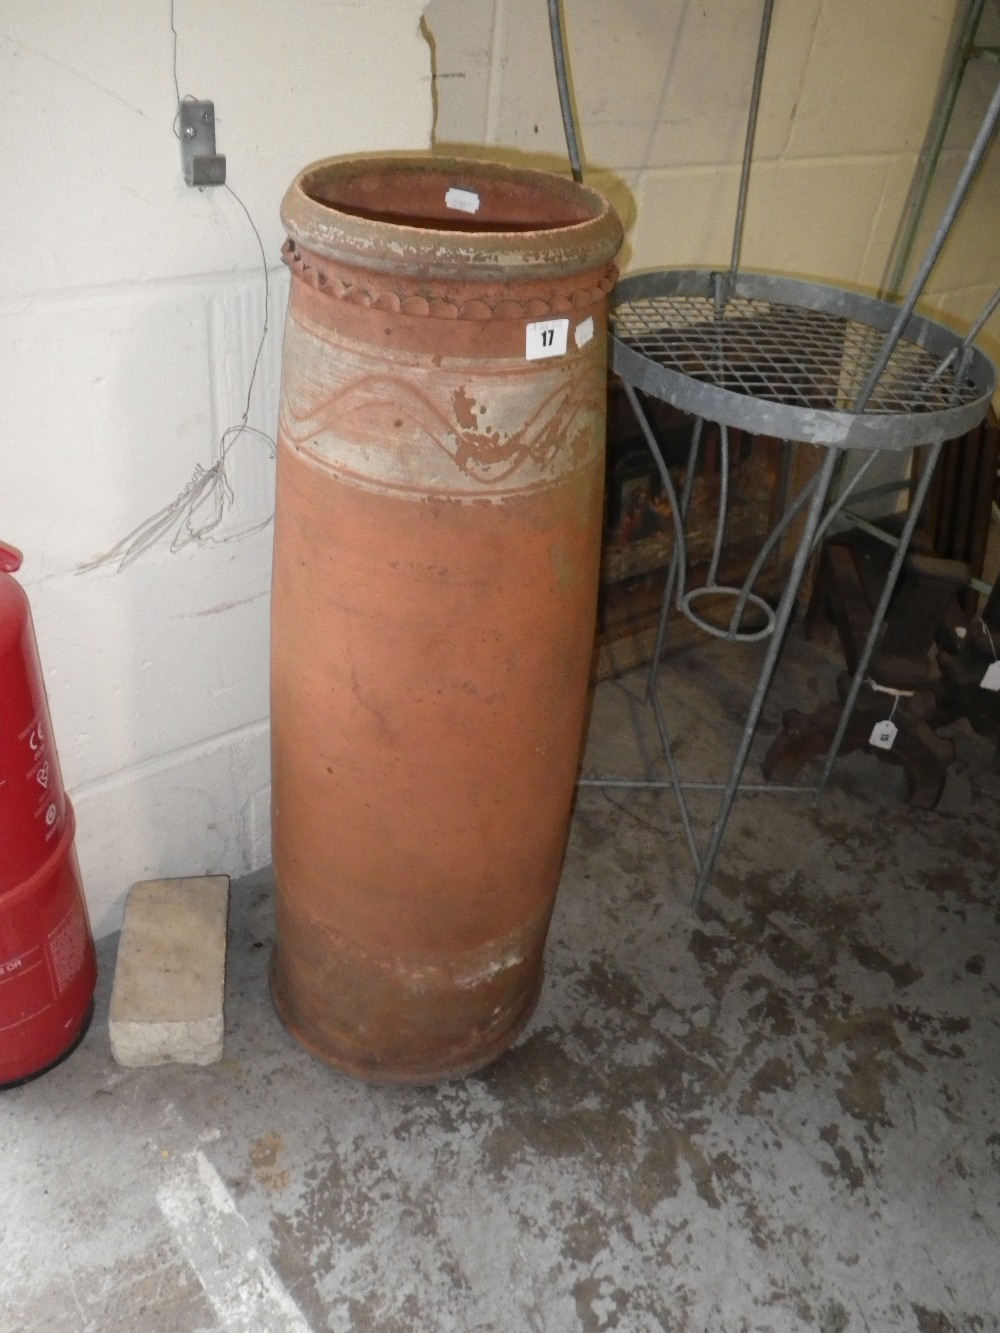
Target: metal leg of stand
pixel 677 784
pixel 720 522
pixel 675 576
pixel 779 531
pixel 675 557
pixel 776 534
pixel 916 505
pixel 678 510
pixel 782 617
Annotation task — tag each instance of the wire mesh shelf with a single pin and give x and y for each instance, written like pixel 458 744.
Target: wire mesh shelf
pixel 792 359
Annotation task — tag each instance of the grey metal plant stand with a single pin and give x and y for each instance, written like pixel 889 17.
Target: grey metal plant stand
pixel 801 362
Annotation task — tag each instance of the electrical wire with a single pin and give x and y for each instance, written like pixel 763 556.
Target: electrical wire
pixel 196 513
pixel 177 86
pixel 267 297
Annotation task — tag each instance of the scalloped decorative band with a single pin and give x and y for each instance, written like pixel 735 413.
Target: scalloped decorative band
pixel 393 302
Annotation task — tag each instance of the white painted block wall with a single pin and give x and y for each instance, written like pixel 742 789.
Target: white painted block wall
pixel 969 269
pixel 130 313
pixel 661 90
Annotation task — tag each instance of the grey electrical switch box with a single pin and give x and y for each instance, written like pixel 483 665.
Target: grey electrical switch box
pixel 202 164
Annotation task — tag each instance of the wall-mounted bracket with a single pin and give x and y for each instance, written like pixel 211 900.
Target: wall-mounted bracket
pixel 202 164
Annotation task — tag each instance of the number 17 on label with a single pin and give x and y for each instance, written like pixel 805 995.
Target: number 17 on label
pixel 545 337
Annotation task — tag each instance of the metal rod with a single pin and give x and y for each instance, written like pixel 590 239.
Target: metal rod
pixel 883 605
pixel 977 585
pixel 758 79
pixel 988 311
pixel 750 786
pixel 838 505
pixel 672 571
pixel 675 782
pixel 562 82
pixel 678 564
pixel 663 784
pixel 930 258
pixel 774 537
pixel 678 559
pixel 784 475
pixel 651 440
pixel 782 617
pixel 720 522
pixel 883 488
pixel 934 142
pixel 680 543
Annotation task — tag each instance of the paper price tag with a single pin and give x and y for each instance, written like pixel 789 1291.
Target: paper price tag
pixel 465 201
pixel 545 337
pixel 584 331
pixel 883 734
pixel 991 681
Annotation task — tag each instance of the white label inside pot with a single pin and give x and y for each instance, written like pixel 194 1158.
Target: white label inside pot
pixel 466 201
pixel 546 337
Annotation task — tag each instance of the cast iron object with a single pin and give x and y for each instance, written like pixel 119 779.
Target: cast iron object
pixel 964 663
pixel 851 575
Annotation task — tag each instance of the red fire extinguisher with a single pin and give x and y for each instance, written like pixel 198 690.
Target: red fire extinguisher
pixel 47 964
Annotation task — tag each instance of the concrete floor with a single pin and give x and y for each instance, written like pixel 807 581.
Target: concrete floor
pixel 782 1115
